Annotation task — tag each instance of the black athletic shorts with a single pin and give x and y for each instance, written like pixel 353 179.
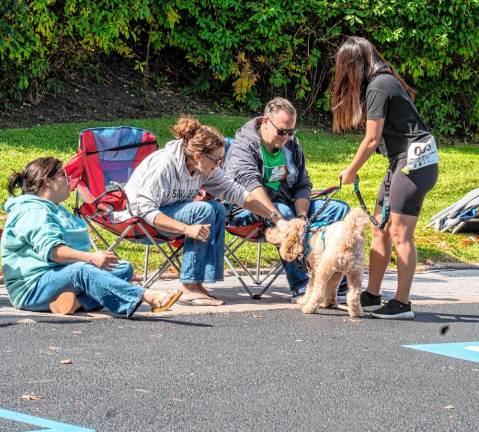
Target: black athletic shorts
pixel 408 190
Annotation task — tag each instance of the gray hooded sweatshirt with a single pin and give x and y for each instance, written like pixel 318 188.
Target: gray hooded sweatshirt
pixel 244 163
pixel 162 179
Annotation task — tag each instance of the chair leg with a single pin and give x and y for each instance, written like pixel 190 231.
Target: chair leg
pixel 147 262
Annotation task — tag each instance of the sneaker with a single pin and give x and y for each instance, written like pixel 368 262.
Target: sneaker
pixel 394 309
pixel 342 290
pixel 369 302
pixel 297 293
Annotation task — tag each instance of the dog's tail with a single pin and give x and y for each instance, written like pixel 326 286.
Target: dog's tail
pixel 355 222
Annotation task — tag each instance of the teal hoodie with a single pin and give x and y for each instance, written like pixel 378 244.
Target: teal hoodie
pixel 34 227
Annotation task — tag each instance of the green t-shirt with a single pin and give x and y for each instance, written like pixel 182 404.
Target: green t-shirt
pixel 274 167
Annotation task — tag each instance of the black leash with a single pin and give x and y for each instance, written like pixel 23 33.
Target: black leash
pixel 304 237
pixel 386 211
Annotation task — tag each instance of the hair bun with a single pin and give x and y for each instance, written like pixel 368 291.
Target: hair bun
pixel 185 128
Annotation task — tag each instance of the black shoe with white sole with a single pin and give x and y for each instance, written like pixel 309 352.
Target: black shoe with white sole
pixel 342 290
pixel 394 309
pixel 369 302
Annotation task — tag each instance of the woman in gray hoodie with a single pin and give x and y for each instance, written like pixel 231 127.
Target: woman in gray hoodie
pixel 162 191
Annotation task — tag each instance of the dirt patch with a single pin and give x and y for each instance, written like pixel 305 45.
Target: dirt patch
pixel 116 94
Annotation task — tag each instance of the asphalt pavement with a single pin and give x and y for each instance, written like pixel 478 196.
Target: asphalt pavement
pixel 253 370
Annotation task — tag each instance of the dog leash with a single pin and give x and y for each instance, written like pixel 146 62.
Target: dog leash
pixel 386 211
pixel 304 236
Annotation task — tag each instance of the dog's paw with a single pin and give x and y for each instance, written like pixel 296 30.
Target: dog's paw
pixel 355 312
pixel 309 309
pixel 302 300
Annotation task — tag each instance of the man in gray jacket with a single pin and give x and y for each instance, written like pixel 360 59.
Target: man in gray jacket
pixel 267 160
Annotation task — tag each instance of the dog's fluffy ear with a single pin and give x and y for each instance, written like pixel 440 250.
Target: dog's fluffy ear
pixel 277 234
pixel 292 246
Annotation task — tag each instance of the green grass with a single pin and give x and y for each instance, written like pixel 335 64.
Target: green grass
pixel 326 155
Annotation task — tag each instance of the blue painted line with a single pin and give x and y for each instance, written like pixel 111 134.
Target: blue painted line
pixel 52 426
pixel 461 350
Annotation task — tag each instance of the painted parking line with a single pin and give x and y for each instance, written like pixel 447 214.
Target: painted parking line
pixel 50 425
pixel 461 350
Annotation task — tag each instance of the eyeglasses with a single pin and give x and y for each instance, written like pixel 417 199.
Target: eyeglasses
pixel 61 174
pixel 218 162
pixel 281 131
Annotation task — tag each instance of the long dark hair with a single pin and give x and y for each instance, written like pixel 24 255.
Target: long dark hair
pixel 30 179
pixel 357 62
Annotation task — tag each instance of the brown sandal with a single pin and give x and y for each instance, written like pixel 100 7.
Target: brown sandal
pixel 170 301
pixel 65 304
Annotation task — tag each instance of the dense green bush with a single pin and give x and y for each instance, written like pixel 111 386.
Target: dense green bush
pixel 250 49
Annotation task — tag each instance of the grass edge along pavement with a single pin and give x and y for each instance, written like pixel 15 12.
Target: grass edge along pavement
pixel 326 156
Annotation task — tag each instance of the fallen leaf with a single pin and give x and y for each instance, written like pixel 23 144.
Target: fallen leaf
pixel 466 242
pixel 66 361
pixel 30 396
pixel 444 330
pixel 171 272
pixel 449 407
pixel 77 332
pixel 52 348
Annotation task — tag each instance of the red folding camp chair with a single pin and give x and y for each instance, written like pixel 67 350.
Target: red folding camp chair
pixel 105 160
pixel 255 233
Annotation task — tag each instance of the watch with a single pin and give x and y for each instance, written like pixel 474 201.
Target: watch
pixel 273 215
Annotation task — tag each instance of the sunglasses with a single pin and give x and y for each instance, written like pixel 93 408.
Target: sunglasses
pixel 281 131
pixel 217 162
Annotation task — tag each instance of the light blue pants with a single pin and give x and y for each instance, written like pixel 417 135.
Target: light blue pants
pixel 202 261
pixel 95 288
pixel 336 210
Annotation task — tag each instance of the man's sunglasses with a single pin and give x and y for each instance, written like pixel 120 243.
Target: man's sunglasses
pixel 281 131
pixel 217 162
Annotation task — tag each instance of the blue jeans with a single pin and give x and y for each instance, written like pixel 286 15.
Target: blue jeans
pixel 336 210
pixel 95 288
pixel 202 261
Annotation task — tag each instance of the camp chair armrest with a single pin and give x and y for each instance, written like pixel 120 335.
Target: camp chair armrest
pixel 119 186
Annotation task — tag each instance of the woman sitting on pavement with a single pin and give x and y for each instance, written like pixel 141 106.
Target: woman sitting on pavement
pixel 162 190
pixel 366 88
pixel 46 258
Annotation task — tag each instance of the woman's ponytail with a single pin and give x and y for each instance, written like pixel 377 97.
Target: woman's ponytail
pixel 15 181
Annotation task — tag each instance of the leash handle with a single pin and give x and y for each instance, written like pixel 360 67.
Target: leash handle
pixel 385 206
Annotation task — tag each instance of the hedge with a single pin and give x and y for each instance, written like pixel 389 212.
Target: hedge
pixel 248 50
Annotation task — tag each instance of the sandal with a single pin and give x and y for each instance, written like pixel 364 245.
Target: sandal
pixel 169 301
pixel 201 301
pixel 65 304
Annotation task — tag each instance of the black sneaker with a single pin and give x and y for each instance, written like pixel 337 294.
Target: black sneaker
pixel 342 290
pixel 369 302
pixel 394 309
pixel 297 293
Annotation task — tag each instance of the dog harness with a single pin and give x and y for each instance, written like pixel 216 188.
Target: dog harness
pixel 307 229
pixel 315 228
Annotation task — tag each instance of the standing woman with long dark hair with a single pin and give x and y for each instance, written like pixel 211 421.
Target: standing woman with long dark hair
pixel 367 89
